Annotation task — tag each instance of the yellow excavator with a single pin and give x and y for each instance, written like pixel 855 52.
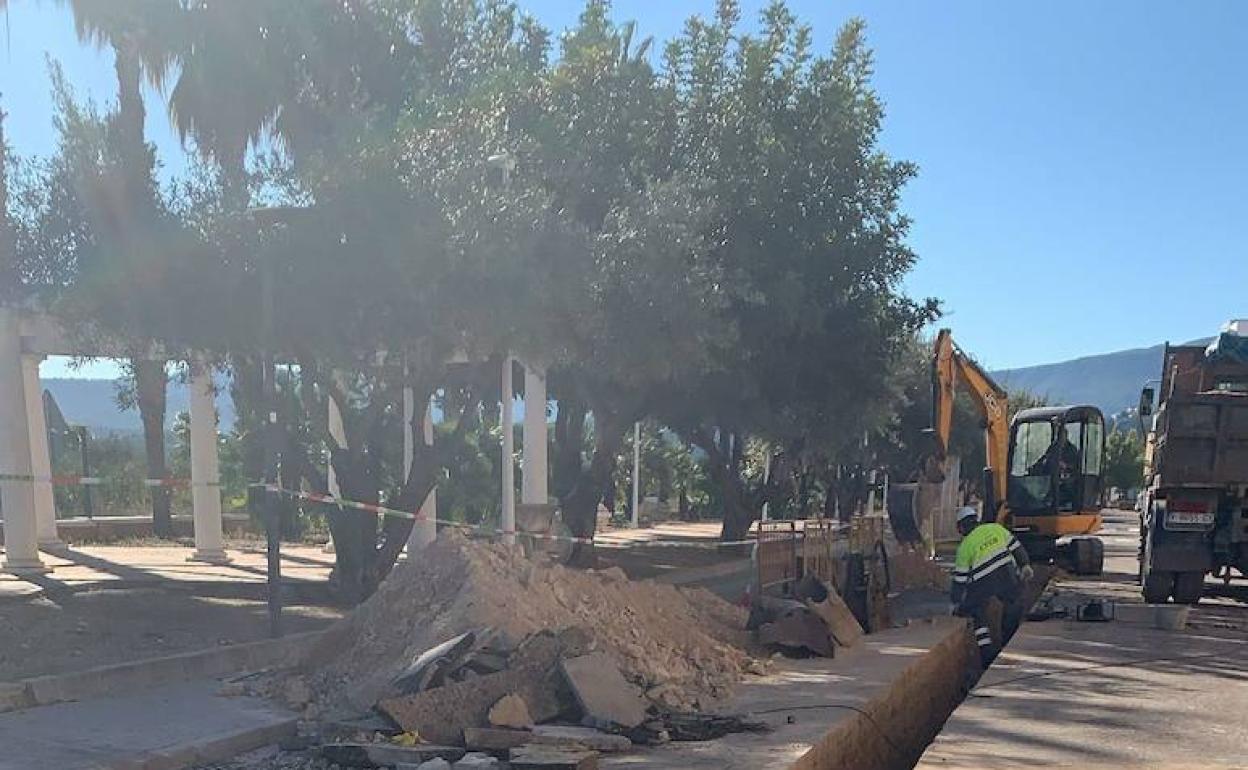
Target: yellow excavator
pixel 1043 474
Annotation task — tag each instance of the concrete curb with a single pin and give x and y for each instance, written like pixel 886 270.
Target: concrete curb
pixel 214 748
pixel 289 651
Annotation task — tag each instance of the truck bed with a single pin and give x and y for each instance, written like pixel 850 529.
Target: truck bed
pixel 1202 439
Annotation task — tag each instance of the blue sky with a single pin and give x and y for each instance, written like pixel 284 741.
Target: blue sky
pixel 1073 155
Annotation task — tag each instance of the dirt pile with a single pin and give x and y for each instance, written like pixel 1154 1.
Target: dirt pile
pixel 684 647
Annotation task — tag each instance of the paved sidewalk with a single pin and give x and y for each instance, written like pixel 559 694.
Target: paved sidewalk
pixel 104 566
pixel 170 727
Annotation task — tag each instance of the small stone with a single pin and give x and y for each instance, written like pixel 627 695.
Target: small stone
pixel 476 759
pixel 511 711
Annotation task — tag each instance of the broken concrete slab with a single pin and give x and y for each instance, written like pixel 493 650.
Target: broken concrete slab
pixel 800 629
pixel 835 613
pixel 441 715
pixel 538 757
pixel 602 692
pixel 512 711
pixel 825 602
pixel 584 736
pixel 386 755
pixel 430 666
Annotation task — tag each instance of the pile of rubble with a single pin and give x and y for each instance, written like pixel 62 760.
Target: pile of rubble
pixel 472 652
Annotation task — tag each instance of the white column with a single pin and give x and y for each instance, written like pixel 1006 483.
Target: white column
pixel 533 487
pixel 17 492
pixel 40 458
pixel 636 472
pixel 507 421
pixel 425 530
pixel 205 474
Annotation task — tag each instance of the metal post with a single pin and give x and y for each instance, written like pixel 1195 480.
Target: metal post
pixel 636 472
pixel 272 527
pixel 84 449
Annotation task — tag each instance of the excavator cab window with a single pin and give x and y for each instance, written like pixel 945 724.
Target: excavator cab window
pixel 1055 461
pixel 1030 486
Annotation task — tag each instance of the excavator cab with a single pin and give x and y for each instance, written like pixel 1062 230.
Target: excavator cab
pixel 1053 487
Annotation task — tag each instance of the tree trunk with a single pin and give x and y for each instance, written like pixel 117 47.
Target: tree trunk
pixel 150 382
pixel 130 116
pixel 247 392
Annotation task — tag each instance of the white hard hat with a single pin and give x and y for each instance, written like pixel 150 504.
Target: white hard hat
pixel 967 512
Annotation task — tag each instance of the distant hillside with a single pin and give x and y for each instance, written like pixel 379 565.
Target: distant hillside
pixel 93 403
pixel 1111 381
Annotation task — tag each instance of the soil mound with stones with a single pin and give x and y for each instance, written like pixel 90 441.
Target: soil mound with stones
pixel 684 647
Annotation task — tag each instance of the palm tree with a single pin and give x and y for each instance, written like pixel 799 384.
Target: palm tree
pixel 137 31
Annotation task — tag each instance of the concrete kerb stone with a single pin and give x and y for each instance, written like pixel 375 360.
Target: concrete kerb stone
pixel 287 652
pixel 216 748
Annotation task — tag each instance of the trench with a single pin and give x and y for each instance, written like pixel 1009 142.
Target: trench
pixel 894 729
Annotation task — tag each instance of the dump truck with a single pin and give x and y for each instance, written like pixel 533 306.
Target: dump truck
pixel 1194 511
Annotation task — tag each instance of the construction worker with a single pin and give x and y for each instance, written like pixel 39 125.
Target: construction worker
pixel 990 563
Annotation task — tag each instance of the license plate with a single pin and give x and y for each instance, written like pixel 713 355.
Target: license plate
pixel 1189 517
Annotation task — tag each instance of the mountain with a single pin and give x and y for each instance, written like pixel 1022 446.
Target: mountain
pixel 94 403
pixel 1111 381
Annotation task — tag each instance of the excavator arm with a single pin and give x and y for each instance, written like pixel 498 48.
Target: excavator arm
pixel 950 368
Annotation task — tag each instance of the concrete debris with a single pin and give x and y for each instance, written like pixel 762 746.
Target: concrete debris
pixel 583 736
pixel 798 630
pixel 433 764
pixel 442 714
pixel 832 610
pixel 603 694
pixel 495 739
pixel 510 711
pixel 386 754
pixel 538 757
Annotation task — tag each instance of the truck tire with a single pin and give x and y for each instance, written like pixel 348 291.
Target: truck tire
pixel 1188 586
pixel 1157 586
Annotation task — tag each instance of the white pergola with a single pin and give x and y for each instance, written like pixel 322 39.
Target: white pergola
pixel 26 499
pixel 27 502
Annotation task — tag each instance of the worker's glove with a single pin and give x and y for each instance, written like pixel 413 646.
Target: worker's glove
pixel 1028 573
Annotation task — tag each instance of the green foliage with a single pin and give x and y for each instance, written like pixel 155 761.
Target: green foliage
pixel 1124 459
pixel 716 244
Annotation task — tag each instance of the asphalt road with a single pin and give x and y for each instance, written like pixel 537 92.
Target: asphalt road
pixel 1114 694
